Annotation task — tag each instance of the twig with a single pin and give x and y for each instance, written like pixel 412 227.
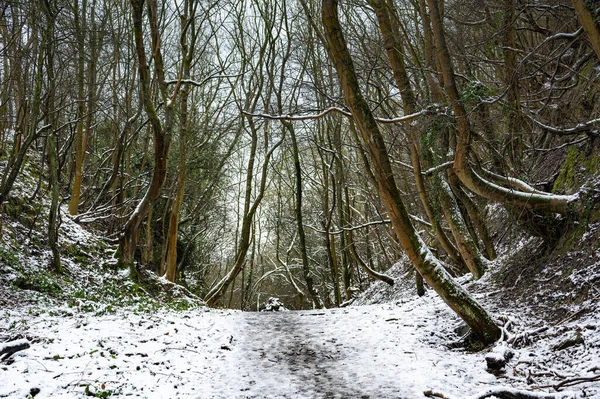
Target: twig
pixel 178 349
pixel 559 147
pixel 575 381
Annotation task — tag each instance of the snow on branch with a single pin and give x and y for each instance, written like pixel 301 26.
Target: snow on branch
pixel 584 127
pixel 558 36
pixel 344 229
pixel 202 82
pixel 345 112
pixel 435 169
pixel 7 349
pixel 576 380
pixel 368 224
pixel 300 117
pixel 570 143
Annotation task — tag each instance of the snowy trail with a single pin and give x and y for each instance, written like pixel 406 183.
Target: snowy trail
pixel 378 351
pixel 303 349
pixel 358 352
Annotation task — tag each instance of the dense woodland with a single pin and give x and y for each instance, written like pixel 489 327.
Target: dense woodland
pixel 299 148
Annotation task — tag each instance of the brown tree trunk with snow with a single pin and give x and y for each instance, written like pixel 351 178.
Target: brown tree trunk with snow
pixel 393 46
pixel 473 181
pixel 426 264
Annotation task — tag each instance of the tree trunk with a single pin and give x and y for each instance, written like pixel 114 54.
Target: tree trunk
pixel 474 182
pixel 51 142
pixel 420 284
pixel 53 222
pixel 590 20
pixel 428 266
pixel 467 246
pixel 372 273
pixel 10 173
pixel 393 47
pixel 79 19
pixel 474 214
pixel 514 139
pixel 161 135
pixel 187 53
pixel 308 278
pixel 340 188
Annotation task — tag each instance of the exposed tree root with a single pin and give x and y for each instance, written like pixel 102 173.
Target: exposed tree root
pixel 9 348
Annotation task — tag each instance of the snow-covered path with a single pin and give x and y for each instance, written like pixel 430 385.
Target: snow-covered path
pixel 358 352
pixel 377 351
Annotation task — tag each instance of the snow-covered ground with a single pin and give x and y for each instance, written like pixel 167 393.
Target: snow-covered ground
pixel 376 351
pixel 93 332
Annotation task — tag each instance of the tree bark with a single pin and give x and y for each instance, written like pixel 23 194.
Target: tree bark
pixel 467 246
pixel 187 50
pixel 474 214
pixel 372 273
pixel 308 277
pixel 51 141
pixel 514 140
pixel 10 173
pixel 79 19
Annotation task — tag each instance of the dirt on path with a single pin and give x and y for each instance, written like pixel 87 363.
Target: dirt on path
pixel 297 347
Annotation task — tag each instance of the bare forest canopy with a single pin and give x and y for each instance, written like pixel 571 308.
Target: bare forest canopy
pixel 299 148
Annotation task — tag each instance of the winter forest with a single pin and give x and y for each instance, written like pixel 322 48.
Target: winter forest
pixel 300 199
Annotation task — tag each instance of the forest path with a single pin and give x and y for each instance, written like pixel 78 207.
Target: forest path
pixel 315 354
pixel 356 352
pixel 378 351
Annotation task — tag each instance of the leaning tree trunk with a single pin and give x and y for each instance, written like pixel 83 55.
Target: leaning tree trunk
pixel 372 273
pixel 474 213
pixel 426 264
pixel 468 251
pixel 393 47
pixel 10 173
pixel 467 246
pixel 590 20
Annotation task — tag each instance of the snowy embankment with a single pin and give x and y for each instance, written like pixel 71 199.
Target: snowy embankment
pixel 377 351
